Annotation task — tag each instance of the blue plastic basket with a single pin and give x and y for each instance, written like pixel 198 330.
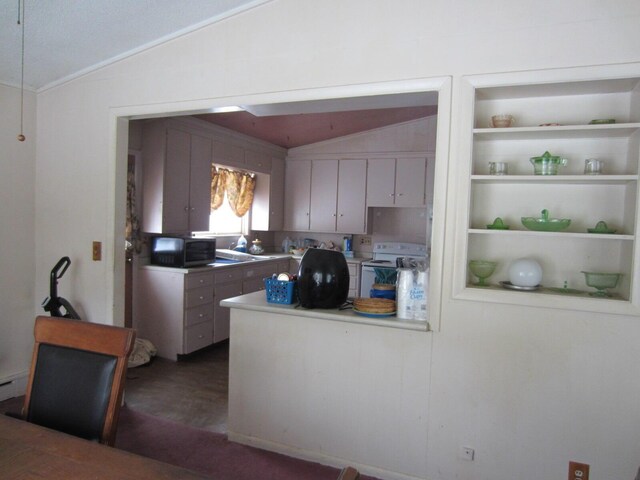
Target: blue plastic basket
pixel 280 291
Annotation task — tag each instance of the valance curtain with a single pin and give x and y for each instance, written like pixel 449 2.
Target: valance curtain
pixel 132 226
pixel 239 187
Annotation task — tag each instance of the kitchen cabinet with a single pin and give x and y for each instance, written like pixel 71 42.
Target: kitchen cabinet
pixel 324 194
pixel 176 186
pixel 176 310
pixel 228 284
pixel 553 110
pixel 297 195
pixel 257 161
pixel 396 182
pixel 352 187
pixel 330 196
pixel 228 153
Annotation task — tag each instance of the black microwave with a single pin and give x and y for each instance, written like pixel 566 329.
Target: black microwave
pixel 182 252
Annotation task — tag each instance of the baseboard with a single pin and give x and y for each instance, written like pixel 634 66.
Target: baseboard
pixel 316 457
pixel 13 385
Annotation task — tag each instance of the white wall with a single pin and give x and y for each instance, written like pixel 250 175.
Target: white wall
pixel 528 389
pixel 17 226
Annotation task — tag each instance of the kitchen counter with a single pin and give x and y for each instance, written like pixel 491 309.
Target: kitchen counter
pixel 259 259
pixel 257 301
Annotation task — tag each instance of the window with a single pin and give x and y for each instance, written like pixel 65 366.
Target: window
pixel 223 221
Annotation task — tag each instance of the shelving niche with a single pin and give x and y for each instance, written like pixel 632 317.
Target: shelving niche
pixel 570 98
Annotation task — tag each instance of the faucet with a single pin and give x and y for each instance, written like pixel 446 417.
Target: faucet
pixel 231 245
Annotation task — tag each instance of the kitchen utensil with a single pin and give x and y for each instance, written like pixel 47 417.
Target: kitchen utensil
pixel 502 121
pixel 482 269
pixel 601 282
pixel 601 227
pixel 547 164
pixel 544 223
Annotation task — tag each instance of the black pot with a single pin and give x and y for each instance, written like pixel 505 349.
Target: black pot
pixel 323 279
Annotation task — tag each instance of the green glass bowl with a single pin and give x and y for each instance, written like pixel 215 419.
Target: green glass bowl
pixel 544 223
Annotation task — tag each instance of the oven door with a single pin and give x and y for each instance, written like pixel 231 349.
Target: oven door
pixel 368 277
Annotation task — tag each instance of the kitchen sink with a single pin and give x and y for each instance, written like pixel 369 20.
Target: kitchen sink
pixel 231 256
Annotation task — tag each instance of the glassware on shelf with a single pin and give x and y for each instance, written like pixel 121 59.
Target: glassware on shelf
pixel 601 227
pixel 525 272
pixel 502 121
pixel 593 166
pixel 601 282
pixel 482 269
pixel 498 168
pixel 544 223
pixel 547 164
pixel 498 224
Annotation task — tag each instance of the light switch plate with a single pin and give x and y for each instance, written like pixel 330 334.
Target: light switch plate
pixel 97 251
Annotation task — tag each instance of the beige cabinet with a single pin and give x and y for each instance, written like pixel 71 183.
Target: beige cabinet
pixel 337 196
pixel 177 310
pixel 176 186
pixel 226 152
pixel 396 182
pixel 297 195
pixel 228 284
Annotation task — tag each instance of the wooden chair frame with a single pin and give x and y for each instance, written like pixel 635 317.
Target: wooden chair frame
pixel 104 339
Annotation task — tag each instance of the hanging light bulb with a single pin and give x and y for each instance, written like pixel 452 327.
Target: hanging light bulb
pixel 21 137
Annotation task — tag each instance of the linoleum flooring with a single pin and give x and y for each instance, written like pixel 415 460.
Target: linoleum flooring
pixel 193 391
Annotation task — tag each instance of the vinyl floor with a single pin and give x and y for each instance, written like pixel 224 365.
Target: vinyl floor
pixel 192 391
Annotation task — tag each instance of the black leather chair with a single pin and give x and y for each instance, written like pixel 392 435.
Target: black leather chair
pixel 77 377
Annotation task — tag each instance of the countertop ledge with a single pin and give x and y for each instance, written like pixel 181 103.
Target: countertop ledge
pixel 257 301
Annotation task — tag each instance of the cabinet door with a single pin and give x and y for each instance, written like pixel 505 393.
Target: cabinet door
pixel 324 195
pixel 200 184
pixel 410 181
pixel 352 188
pixel 221 315
pixel 175 206
pixel 227 154
pixel 381 180
pixel 276 195
pixel 297 195
pixel 257 161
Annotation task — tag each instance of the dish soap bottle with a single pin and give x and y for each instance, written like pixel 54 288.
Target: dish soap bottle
pixel 241 246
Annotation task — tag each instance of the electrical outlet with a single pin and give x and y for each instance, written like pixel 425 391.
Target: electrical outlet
pixel 97 251
pixel 467 453
pixel 365 240
pixel 578 471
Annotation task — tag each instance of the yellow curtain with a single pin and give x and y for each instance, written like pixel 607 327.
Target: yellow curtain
pixel 218 183
pixel 239 187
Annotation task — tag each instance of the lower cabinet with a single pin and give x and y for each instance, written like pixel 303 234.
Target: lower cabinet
pixel 180 312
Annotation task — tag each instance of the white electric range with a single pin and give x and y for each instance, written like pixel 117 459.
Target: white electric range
pixel 383 263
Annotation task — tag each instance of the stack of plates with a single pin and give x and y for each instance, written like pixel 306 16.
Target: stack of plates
pixel 374 307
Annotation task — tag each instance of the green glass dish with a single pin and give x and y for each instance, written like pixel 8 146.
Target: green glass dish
pixel 498 224
pixel 601 227
pixel 544 223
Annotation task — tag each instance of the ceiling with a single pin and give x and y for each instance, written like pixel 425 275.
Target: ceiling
pixel 67 38
pixel 64 38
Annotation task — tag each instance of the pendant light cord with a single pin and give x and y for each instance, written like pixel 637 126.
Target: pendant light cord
pixel 21 137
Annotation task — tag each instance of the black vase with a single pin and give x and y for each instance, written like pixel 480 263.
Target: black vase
pixel 323 279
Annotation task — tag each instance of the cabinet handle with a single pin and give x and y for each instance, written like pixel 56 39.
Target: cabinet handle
pixel 200 336
pixel 193 209
pixel 400 194
pixel 334 215
pixel 201 297
pixel 342 214
pixel 391 194
pixel 201 280
pixel 201 315
pixel 186 209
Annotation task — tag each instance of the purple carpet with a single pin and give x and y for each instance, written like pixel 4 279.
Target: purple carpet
pixel 210 453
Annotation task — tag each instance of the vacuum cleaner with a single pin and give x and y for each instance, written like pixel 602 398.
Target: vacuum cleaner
pixel 58 306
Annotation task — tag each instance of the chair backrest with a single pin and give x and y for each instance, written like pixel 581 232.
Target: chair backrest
pixel 77 377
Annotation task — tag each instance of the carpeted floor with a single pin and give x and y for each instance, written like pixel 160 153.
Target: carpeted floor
pixel 210 453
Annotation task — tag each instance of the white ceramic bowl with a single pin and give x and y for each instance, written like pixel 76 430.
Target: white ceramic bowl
pixel 525 272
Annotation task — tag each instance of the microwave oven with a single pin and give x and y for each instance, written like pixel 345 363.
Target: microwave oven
pixel 182 252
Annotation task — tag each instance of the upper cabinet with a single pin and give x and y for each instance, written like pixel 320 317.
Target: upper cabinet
pixel 176 192
pixel 576 114
pixel 352 187
pixel 396 182
pixel 297 181
pixel 177 157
